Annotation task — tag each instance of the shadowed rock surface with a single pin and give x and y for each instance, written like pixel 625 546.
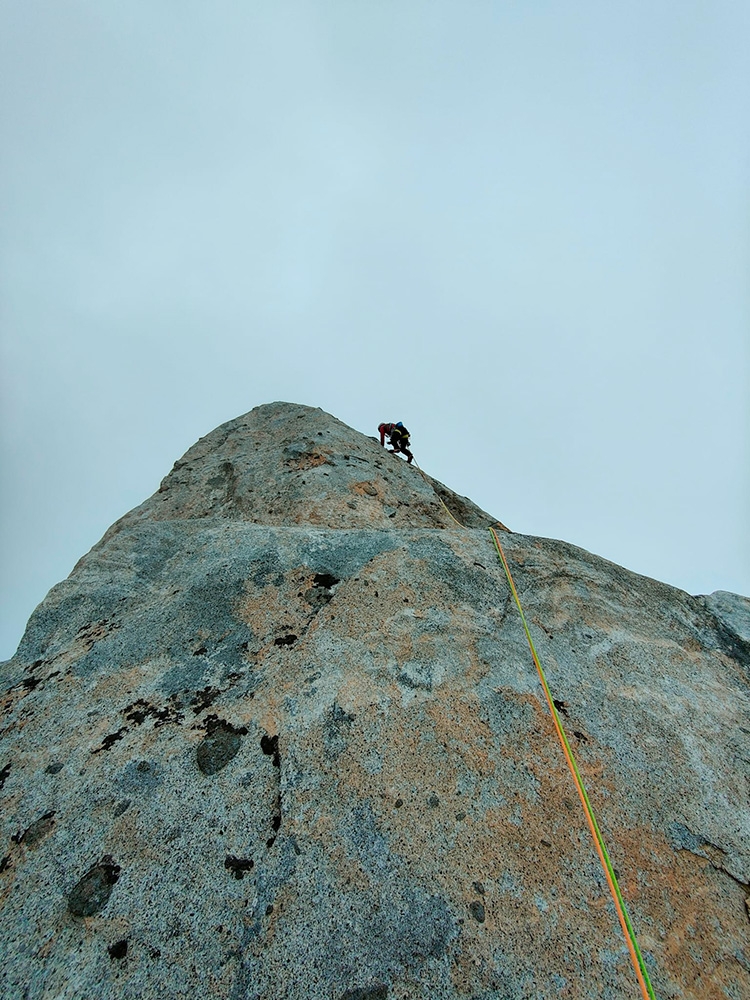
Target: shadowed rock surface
pixel 279 735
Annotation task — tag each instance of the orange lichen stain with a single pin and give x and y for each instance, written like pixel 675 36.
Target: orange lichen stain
pixel 310 460
pixel 695 915
pixel 457 723
pixel 367 488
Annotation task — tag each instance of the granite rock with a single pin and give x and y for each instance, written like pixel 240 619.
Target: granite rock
pixel 279 735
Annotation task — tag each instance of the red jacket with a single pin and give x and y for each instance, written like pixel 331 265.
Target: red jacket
pixel 385 429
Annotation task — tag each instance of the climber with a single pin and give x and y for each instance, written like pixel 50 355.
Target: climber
pixel 398 438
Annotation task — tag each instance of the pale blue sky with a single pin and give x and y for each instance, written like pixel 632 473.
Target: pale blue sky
pixel 521 228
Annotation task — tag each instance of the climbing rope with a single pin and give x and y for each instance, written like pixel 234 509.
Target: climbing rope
pixel 636 957
pixel 627 928
pixel 439 497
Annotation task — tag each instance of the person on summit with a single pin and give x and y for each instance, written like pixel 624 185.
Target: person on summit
pixel 398 438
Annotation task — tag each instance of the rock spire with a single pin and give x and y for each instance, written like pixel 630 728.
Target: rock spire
pixel 278 735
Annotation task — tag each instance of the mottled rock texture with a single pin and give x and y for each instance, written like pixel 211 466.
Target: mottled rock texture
pixel 279 735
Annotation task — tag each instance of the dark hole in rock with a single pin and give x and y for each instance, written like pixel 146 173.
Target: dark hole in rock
pixel 238 866
pixel 276 823
pixel 478 887
pixel 376 992
pixel 580 736
pixel 91 893
pixel 121 807
pixel 324 580
pixel 201 651
pixel 545 843
pixel 119 949
pixel 270 842
pixel 560 706
pixel 460 816
pixel 269 909
pixel 270 746
pixel 5 863
pixel 31 682
pixel 285 640
pixel 477 911
pixel 399 803
pixel 53 768
pixel 220 744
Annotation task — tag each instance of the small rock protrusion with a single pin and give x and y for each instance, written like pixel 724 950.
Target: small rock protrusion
pixel 220 745
pixel 39 829
pixel 91 893
pixel 376 992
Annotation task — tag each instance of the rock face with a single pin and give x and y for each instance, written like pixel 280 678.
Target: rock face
pixel 279 735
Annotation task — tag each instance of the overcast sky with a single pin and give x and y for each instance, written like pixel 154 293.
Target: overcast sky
pixel 519 227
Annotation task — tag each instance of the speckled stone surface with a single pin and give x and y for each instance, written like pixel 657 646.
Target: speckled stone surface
pixel 279 735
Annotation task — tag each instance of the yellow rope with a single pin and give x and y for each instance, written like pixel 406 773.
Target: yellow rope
pixel 627 928
pixel 438 496
pixel 622 914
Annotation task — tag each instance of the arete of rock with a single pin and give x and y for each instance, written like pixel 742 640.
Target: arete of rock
pixel 279 735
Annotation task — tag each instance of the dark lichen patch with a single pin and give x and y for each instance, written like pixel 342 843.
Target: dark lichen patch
pixel 94 631
pixel 109 741
pixel 220 745
pixel 141 710
pixel 238 866
pixel 285 640
pixel 4 774
pixel 202 699
pixel 53 768
pixel 337 730
pixel 378 991
pixel 118 950
pixel 91 893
